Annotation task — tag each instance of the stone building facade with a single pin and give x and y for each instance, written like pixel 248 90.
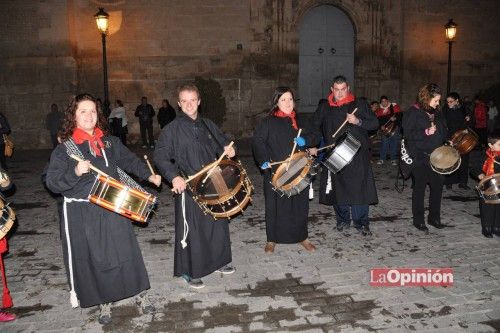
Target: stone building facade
pixel 236 51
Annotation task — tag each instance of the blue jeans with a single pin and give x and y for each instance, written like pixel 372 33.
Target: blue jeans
pixel 359 215
pixel 389 145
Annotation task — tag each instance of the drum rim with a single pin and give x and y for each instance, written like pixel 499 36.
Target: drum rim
pixel 487 179
pixel 450 169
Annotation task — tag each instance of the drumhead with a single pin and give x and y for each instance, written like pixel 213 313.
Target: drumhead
pixel 224 181
pixel 444 157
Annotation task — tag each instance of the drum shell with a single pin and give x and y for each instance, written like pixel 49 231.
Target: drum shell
pixel 6 219
pixel 300 181
pixel 343 153
pixel 489 189
pixel 119 198
pixel 445 160
pixel 464 140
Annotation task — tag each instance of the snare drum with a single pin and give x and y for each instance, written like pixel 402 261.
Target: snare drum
pixel 225 193
pixel 347 146
pixel 489 189
pixel 119 198
pixel 298 176
pixel 464 140
pixel 445 160
pixel 7 218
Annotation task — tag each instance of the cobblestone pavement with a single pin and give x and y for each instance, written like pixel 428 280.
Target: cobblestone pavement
pixel 291 290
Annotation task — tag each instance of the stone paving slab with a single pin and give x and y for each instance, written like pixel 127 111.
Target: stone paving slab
pixel 291 290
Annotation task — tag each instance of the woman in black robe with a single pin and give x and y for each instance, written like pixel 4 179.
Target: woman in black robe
pixel 425 130
pixel 102 255
pixel 273 140
pixel 185 146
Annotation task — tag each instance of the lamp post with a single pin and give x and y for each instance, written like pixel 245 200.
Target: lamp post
pixel 451 31
pixel 102 20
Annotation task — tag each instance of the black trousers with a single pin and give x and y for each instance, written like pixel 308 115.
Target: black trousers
pixel 423 175
pixel 490 215
pixel 147 126
pixel 461 176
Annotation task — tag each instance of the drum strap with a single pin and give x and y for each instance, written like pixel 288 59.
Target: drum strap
pixel 186 226
pixel 72 294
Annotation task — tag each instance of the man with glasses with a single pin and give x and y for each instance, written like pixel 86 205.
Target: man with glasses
pixel 457 118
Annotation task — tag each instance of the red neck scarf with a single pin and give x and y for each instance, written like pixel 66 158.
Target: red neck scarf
pixel 291 115
pixel 346 100
pixel 80 136
pixel 489 164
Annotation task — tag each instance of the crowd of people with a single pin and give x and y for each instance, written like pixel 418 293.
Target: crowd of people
pixel 101 253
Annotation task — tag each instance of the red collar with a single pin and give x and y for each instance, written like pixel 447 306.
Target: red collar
pixel 489 164
pixel 291 115
pixel 346 100
pixel 80 136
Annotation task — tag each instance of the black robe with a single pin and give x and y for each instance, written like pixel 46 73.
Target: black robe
pixel 354 184
pixel 286 218
pixel 107 262
pixel 186 145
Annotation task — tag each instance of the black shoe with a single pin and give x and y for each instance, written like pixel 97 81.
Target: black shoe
pixel 464 186
pixel 487 233
pixel 496 232
pixel 449 187
pixel 343 226
pixel 421 227
pixel 437 224
pixel 365 231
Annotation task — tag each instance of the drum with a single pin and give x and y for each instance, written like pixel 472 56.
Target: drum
pixel 7 218
pixel 347 146
pixel 445 160
pixel 300 171
pixel 119 198
pixel 225 193
pixel 489 189
pixel 464 140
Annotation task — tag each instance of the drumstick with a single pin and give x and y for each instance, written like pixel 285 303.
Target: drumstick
pixel 216 163
pixel 278 162
pixel 293 150
pixel 149 165
pixel 343 124
pixel 326 147
pixel 73 156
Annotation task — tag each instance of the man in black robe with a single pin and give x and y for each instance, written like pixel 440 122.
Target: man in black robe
pixel 352 189
pixel 184 147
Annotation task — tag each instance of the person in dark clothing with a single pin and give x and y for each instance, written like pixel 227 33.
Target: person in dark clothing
pixel 480 114
pixel 166 113
pixel 351 190
pixel 273 140
pixel 490 213
pixel 145 113
pixel 118 122
pixel 104 260
pixel 425 130
pixel 389 116
pixel 188 143
pixel 456 119
pixel 53 123
pixel 4 130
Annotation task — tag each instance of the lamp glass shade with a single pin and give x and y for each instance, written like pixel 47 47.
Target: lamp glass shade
pixel 102 20
pixel 451 30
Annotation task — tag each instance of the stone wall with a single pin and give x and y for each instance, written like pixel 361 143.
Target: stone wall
pixel 238 50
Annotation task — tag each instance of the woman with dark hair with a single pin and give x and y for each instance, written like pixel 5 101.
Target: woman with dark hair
pixel 425 130
pixel 273 140
pixel 100 249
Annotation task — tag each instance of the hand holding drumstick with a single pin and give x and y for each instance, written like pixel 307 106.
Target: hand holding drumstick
pixel 154 178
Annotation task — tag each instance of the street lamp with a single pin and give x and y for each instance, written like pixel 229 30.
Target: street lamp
pixel 451 31
pixel 102 20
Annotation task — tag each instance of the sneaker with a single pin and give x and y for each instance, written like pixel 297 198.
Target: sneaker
pixel 394 162
pixel 380 162
pixel 226 270
pixel 144 146
pixel 105 314
pixel 5 316
pixel 365 231
pixel 193 283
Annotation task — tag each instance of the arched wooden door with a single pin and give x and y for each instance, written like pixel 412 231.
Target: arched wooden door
pixel 326 49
